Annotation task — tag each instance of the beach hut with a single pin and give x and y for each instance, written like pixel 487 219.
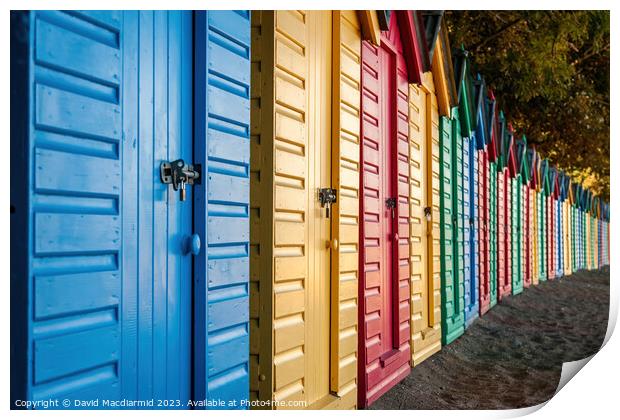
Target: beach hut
pixel 452 301
pixel 533 214
pixel 568 221
pixel 601 235
pixel 524 169
pixel 133 206
pixel 429 101
pixel 504 207
pixel 384 346
pixel 572 200
pixel 305 208
pixel 552 176
pixel 560 223
pixel 559 236
pixel 466 167
pixel 590 233
pixel 595 225
pixel 606 239
pixel 514 170
pixel 493 154
pixel 580 228
pixel 591 230
pixel 577 227
pixel 547 215
pixel 483 138
pixel 543 185
pixel 601 231
pixel 594 217
pixel 605 233
pixel 583 228
pixel 501 209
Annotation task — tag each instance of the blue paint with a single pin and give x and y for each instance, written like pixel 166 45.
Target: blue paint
pixel 221 271
pixel 108 279
pixel 559 239
pixel 564 181
pixel 484 125
pixel 470 222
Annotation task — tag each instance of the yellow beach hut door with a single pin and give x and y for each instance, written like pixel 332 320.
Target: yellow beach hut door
pixel 305 139
pixel 425 282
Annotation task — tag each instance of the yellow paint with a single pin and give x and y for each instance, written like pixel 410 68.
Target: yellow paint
pixel 525 258
pixel 534 234
pixel 594 222
pixel 370 26
pixel 304 267
pixel 345 223
pixel 424 234
pixel 443 75
pixel 566 221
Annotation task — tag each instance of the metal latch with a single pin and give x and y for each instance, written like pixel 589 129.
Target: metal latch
pixel 178 174
pixel 327 196
pixel 391 204
pixel 427 213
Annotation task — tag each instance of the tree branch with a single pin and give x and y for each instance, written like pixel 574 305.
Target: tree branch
pixel 494 35
pixel 590 53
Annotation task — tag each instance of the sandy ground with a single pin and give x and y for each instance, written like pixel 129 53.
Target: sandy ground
pixel 512 357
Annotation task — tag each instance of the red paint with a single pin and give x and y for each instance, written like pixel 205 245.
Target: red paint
pixel 493 147
pixel 501 234
pixel 534 170
pixel 384 314
pixel 483 231
pixel 493 155
pixel 412 45
pixel 552 229
pixel 512 161
pixel 506 288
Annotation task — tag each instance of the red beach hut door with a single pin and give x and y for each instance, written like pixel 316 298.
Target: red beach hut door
pixel 384 259
pixel 387 197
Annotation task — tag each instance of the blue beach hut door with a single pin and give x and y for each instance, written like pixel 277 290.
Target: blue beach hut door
pixel 113 295
pixel 109 271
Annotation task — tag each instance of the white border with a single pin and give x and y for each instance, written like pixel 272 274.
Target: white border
pixel 594 394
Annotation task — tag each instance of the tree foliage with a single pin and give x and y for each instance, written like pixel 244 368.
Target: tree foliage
pixel 550 73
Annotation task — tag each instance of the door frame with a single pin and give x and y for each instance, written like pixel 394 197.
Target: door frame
pixel 393 182
pixel 20 139
pixel 427 179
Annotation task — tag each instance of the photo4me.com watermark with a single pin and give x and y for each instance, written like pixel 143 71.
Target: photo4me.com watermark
pixel 60 404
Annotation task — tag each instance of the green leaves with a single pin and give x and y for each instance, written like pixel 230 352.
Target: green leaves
pixel 550 73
